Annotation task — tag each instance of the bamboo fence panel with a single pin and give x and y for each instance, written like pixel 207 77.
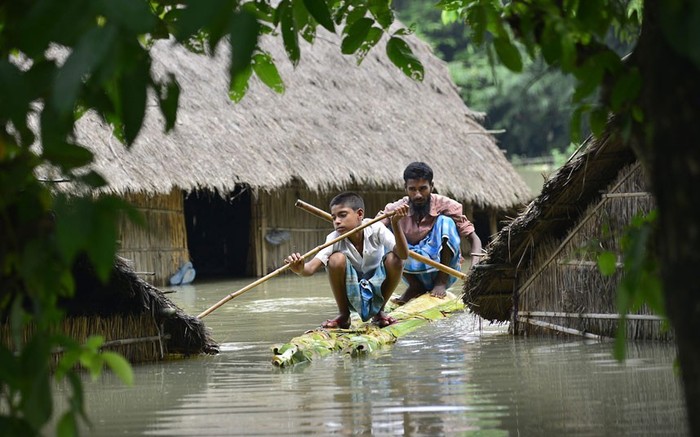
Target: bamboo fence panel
pixel 160 248
pixel 571 282
pixel 140 329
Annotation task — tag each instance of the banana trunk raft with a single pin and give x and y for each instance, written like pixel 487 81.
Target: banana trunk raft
pixel 366 337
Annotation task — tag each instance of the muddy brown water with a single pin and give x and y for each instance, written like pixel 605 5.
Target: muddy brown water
pixel 459 376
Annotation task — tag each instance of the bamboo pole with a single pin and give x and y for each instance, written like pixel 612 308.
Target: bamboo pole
pixel 563 329
pixel 425 260
pixel 285 267
pixel 589 315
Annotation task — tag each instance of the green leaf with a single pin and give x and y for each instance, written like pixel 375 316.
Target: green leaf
pixel 133 86
pixel 598 120
pixel 607 263
pixel 198 15
pixel 133 15
pixel 120 366
pixel 478 20
pixel 94 342
pixel 66 426
pixel 239 85
pixel 356 35
pixel 402 56
pixel 289 31
pixel 265 69
pixel 319 10
pixel 551 44
pixel 626 89
pixel 14 94
pixel 373 36
pixel 381 12
pixel 92 48
pixel 244 39
pixel 509 54
pixel 168 100
pixel 67 155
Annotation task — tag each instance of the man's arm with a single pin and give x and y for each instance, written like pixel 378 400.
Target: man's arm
pixel 475 247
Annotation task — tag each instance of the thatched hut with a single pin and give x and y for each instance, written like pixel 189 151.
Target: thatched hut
pixel 540 272
pixel 221 187
pixel 136 319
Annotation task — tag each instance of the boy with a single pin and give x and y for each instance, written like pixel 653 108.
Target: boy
pixel 364 268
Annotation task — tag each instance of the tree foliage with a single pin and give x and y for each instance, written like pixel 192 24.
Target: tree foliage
pixel 528 97
pixel 62 59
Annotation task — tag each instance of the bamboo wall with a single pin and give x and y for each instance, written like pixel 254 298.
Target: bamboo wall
pixel 276 211
pixel 564 277
pixel 136 337
pixel 157 250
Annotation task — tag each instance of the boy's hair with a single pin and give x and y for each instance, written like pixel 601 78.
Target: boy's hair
pixel 418 170
pixel 349 199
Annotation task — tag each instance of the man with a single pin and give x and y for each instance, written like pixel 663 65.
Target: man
pixel 433 228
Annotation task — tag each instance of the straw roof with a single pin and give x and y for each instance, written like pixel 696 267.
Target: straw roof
pixel 337 124
pixel 563 200
pixel 125 294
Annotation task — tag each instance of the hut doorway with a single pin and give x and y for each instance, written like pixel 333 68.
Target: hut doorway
pixel 218 232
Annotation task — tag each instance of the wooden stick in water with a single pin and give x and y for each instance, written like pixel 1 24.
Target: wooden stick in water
pixel 443 268
pixel 285 267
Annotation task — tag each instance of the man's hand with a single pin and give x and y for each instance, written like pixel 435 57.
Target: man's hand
pixel 399 213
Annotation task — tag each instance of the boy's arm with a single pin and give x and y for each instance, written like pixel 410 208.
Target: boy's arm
pixel 298 265
pixel 401 247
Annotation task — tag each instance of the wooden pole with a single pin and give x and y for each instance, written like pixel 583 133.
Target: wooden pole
pixel 425 260
pixel 285 267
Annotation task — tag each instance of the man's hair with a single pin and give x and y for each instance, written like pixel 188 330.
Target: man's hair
pixel 349 199
pixel 418 170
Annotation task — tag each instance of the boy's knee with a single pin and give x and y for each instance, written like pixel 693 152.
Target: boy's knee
pixel 393 262
pixel 336 261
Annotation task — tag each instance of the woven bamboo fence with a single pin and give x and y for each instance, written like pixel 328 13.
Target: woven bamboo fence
pixel 136 337
pixel 563 290
pixel 157 250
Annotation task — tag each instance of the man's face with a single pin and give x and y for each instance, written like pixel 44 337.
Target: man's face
pixel 418 191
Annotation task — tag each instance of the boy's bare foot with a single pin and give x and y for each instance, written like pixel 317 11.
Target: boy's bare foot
pixel 383 320
pixel 340 322
pixel 439 291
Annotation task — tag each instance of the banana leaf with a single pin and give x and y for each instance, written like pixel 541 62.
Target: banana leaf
pixel 365 337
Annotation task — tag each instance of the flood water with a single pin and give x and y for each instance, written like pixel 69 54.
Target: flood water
pixel 459 376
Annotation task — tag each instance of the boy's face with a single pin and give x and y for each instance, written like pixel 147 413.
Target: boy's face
pixel 345 218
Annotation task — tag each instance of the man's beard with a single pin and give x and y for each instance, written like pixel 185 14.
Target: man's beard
pixel 420 210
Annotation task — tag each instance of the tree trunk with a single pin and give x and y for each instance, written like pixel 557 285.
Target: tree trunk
pixel 667 144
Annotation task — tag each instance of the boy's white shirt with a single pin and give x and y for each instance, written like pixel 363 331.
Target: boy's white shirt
pixel 378 240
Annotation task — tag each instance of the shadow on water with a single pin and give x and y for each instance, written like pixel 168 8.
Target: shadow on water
pixel 458 376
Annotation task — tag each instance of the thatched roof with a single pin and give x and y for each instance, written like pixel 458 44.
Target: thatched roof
pixel 564 198
pixel 125 294
pixel 337 124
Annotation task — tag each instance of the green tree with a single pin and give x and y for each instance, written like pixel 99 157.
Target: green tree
pixel 533 107
pixel 61 59
pixel 650 99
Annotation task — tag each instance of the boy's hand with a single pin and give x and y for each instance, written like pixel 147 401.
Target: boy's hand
pixel 400 212
pixel 296 263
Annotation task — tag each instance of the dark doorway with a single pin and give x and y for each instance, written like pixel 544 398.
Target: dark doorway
pixel 218 232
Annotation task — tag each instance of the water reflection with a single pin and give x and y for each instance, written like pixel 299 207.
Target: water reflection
pixel 458 376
